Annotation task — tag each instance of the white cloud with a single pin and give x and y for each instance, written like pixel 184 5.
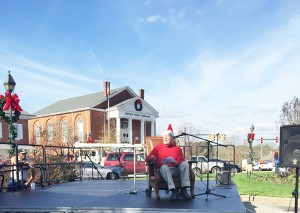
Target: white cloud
pixel 155 19
pixel 256 81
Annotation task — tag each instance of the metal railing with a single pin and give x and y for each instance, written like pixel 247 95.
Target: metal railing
pixel 51 164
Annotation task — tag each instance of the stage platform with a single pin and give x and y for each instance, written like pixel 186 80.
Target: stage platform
pixel 115 196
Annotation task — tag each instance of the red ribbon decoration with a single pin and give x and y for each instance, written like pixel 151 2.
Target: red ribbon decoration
pixel 12 101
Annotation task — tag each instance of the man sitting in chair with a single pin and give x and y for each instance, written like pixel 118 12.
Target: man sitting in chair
pixel 170 162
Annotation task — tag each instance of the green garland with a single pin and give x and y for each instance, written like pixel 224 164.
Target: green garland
pixel 250 151
pixel 7 119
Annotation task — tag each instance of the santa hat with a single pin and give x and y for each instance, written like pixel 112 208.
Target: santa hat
pixel 169 131
pixel 170 128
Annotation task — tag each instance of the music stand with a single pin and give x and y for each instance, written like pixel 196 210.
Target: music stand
pixel 208 190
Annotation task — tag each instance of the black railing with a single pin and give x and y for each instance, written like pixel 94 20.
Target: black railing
pixel 51 164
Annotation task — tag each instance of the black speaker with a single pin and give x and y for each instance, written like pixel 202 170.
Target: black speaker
pixel 289 149
pixel 224 177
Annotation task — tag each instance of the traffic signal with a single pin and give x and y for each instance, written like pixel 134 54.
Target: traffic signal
pixel 276 139
pixel 224 137
pixel 212 137
pixel 221 137
pixel 261 140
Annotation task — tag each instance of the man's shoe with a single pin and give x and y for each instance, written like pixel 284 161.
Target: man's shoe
pixel 173 196
pixel 184 195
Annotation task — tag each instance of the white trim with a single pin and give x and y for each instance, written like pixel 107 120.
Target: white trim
pixel 142 132
pixel 152 128
pixel 69 111
pixel 130 130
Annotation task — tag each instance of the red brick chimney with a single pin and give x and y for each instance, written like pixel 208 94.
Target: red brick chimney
pixel 141 93
pixel 104 88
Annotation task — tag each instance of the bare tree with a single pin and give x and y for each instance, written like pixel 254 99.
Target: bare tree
pixel 110 137
pixel 190 129
pixel 187 127
pixel 55 137
pixel 290 112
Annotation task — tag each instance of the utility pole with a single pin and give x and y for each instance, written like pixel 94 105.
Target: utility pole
pixel 261 151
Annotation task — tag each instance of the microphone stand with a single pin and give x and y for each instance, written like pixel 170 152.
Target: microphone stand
pixel 208 190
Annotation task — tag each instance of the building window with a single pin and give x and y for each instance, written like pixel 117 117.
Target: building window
pixel 50 132
pixel 37 130
pixel 124 125
pixel 80 130
pixel 19 131
pixel 64 128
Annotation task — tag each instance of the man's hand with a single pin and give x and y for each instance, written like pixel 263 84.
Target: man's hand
pixel 175 163
pixel 152 158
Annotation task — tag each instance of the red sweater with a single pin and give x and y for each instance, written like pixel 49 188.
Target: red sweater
pixel 162 151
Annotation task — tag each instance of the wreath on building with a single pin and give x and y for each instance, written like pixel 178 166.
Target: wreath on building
pixel 138 105
pixel 6 102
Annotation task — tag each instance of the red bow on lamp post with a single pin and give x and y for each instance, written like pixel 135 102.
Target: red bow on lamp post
pixel 8 102
pixel 11 101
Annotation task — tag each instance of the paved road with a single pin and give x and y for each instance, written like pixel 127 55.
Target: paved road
pixel 268 204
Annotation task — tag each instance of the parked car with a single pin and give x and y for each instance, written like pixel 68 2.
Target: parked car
pixel 233 168
pixel 203 166
pixel 108 172
pixel 126 160
pixel 263 166
pixel 228 166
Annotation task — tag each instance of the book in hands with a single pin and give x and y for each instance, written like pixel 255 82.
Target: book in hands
pixel 168 160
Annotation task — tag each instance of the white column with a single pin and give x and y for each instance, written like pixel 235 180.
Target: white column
pixel 142 132
pixel 152 128
pixel 118 129
pixel 130 130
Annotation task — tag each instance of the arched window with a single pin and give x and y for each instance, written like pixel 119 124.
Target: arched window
pixel 37 130
pixel 64 133
pixel 80 130
pixel 50 131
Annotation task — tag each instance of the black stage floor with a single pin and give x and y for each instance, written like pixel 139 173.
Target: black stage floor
pixel 114 196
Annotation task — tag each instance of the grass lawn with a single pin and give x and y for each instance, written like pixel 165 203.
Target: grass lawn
pixel 260 184
pixel 263 184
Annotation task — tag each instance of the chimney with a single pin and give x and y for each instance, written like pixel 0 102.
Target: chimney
pixel 104 88
pixel 141 93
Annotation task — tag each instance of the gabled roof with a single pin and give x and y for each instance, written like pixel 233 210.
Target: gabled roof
pixel 24 114
pixel 80 102
pixel 131 100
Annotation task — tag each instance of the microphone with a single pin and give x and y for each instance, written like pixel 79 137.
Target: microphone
pixel 177 136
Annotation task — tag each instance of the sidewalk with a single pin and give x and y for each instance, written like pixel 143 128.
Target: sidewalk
pixel 260 204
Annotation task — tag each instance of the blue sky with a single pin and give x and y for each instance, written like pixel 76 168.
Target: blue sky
pixel 216 66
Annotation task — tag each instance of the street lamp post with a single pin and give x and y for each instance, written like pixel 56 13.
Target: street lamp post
pixel 250 141
pixel 9 85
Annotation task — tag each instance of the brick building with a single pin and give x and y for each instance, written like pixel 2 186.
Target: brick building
pixel 130 117
pixel 21 129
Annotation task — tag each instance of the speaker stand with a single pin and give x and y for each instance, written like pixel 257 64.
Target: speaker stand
pixel 295 192
pixel 208 190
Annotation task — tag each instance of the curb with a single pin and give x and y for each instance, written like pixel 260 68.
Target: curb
pixel 268 200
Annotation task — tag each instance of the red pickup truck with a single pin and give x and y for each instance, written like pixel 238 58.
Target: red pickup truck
pixel 126 160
